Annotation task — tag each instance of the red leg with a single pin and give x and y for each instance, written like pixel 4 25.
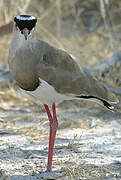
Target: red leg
pixel 53 129
pixel 50 135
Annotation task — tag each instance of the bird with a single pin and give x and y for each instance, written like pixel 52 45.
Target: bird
pixel 48 75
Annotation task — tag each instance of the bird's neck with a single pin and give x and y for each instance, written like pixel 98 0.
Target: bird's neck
pixel 19 42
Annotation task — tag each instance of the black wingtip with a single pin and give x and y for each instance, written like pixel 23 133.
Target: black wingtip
pixel 99 101
pixel 106 104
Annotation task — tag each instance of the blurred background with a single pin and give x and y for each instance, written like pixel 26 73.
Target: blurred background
pixel 89 30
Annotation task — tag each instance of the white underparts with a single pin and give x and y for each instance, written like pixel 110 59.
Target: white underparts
pixel 46 94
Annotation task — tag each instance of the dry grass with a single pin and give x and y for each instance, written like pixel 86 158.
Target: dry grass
pixel 34 133
pixel 83 171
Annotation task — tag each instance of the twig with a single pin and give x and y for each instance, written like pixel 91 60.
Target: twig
pixel 104 9
pixel 6 29
pixel 106 66
pixel 48 11
pixel 58 18
pixel 53 37
pixel 24 7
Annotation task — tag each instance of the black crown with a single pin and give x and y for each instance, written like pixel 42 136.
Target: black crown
pixel 25 21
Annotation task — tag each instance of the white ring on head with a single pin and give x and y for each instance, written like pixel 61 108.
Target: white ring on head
pixel 25 18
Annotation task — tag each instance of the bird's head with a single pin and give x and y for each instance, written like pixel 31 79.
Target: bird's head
pixel 25 25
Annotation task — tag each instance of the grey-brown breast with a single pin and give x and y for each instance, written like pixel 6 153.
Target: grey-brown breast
pixel 23 69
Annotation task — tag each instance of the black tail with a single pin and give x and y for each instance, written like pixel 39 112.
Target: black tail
pixel 97 100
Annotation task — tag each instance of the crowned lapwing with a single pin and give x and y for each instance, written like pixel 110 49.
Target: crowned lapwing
pixel 48 75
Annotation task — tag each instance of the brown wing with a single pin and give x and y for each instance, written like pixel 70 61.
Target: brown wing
pixel 59 69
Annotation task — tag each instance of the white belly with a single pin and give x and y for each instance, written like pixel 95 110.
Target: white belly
pixel 45 94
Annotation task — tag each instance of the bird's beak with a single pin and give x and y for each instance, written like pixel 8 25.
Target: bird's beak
pixel 26 36
pixel 25 32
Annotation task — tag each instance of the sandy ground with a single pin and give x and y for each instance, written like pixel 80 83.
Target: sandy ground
pixel 88 143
